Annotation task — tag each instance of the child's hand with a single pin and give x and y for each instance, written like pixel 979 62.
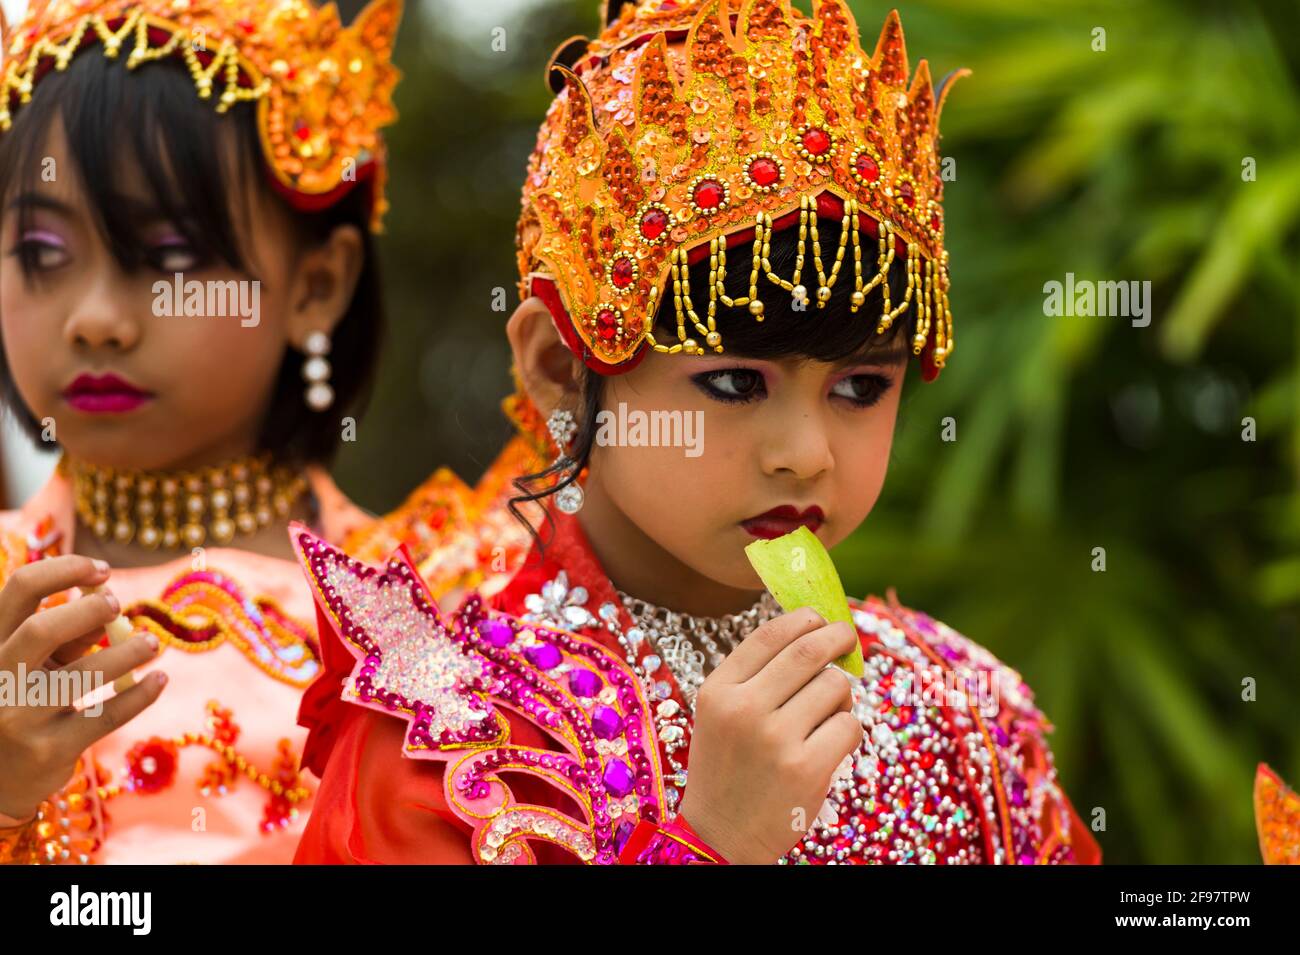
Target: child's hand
pixel 39 745
pixel 772 724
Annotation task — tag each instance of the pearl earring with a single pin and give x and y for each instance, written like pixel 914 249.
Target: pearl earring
pixel 316 371
pixel 561 426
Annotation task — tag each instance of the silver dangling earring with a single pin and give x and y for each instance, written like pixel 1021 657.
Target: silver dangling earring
pixel 561 425
pixel 316 371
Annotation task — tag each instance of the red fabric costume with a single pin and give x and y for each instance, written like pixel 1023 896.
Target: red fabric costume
pixel 929 784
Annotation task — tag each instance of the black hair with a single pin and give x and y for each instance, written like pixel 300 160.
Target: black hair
pixel 152 115
pixel 829 334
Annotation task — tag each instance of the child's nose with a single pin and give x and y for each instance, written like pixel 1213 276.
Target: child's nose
pixel 802 449
pixel 101 319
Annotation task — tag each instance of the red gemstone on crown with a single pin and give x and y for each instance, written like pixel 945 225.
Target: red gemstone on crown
pixel 816 141
pixel 606 324
pixel 709 194
pixel 653 223
pixel 935 221
pixel 866 167
pixel 907 194
pixel 622 273
pixel 764 171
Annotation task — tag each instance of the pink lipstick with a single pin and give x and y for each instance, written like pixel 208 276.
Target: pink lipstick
pixel 104 394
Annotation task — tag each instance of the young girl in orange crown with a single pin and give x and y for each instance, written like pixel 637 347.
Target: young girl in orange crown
pixel 731 243
pixel 189 191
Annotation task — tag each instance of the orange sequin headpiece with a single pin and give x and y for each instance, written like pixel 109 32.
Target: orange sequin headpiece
pixel 657 152
pixel 322 90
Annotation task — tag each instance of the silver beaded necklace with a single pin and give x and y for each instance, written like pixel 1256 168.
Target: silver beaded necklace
pixel 669 634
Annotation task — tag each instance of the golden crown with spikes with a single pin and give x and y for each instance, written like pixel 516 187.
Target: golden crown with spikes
pixel 322 90
pixel 656 152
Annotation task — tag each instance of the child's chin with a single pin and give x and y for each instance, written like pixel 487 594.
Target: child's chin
pixel 737 575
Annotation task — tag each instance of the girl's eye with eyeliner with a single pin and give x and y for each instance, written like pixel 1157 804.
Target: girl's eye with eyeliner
pixel 734 385
pixel 40 251
pixel 173 257
pixel 863 390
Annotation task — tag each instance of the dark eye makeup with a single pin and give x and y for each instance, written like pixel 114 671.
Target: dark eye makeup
pixel 744 385
pixel 862 390
pixel 40 250
pixel 731 385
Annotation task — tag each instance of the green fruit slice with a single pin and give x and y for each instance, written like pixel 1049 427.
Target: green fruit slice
pixel 798 572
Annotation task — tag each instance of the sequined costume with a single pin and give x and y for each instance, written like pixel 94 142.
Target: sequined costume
pixel 210 773
pixel 1277 818
pixel 540 726
pixel 457 536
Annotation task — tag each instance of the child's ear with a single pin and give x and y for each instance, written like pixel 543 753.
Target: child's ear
pixel 547 369
pixel 324 281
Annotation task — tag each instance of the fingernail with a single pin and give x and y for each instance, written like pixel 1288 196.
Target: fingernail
pixel 152 641
pixel 111 598
pixel 160 677
pixel 101 566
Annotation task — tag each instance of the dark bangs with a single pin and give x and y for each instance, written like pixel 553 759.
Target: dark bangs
pixel 149 119
pixel 152 119
pixel 829 334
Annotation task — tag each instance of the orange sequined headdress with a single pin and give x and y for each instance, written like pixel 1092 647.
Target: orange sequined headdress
pixel 689 126
pixel 322 90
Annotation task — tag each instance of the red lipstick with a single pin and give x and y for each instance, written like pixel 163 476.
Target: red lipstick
pixel 104 394
pixel 783 520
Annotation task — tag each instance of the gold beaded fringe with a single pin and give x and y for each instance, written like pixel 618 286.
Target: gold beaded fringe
pixel 927 285
pixel 226 59
pixel 129 505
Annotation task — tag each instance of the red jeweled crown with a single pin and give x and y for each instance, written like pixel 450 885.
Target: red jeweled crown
pixel 656 152
pixel 322 90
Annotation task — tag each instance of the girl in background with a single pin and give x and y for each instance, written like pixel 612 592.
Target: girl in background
pixel 189 195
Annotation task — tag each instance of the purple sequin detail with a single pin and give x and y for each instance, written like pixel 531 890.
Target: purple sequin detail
pixel 584 683
pixel 622 834
pixel 606 723
pixel 618 778
pixel 544 656
pixel 498 633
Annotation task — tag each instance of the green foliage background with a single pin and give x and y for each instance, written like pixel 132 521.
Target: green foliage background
pixel 1072 433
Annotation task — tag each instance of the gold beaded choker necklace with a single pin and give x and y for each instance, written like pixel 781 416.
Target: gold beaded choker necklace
pixel 172 509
